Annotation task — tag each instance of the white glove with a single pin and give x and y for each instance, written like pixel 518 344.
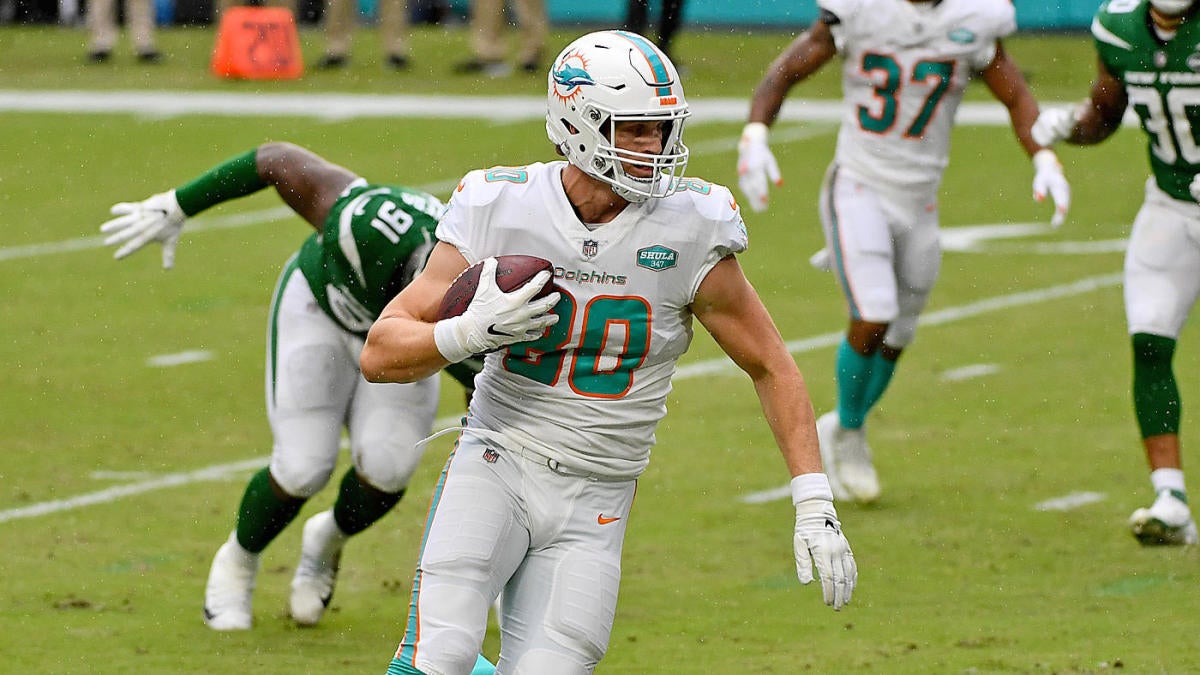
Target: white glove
pixel 1054 125
pixel 158 218
pixel 1194 187
pixel 819 541
pixel 756 165
pixel 1048 179
pixel 496 319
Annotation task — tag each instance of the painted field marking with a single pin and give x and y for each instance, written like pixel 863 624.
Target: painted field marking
pixel 969 372
pixel 1071 501
pixel 179 358
pixel 718 365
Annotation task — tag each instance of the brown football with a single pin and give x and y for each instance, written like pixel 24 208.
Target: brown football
pixel 512 272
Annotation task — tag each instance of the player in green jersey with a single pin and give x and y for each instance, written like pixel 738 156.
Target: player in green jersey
pixel 370 241
pixel 1150 60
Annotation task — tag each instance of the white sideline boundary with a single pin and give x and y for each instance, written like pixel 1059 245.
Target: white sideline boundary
pixel 709 367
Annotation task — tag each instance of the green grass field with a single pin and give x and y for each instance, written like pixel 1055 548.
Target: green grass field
pixel 121 478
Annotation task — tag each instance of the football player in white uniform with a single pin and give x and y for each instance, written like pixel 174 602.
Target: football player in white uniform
pixel 1148 62
pixel 536 497
pixel 905 66
pixel 369 242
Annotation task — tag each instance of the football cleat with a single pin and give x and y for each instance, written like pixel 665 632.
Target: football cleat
pixel 230 587
pixel 847 461
pixel 1168 522
pixel 821 261
pixel 316 573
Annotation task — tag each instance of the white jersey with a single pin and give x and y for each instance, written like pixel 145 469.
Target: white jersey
pixel 592 391
pixel 906 66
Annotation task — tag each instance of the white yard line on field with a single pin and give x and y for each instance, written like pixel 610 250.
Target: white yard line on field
pixel 711 366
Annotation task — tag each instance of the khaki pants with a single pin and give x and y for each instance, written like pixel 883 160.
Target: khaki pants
pixel 102 23
pixel 341 18
pixel 487 20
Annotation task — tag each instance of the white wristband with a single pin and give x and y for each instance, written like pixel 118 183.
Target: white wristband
pixel 445 336
pixel 755 131
pixel 1045 158
pixel 808 486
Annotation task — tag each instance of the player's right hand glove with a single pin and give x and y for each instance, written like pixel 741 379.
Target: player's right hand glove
pixel 1053 125
pixel 496 319
pixel 756 165
pixel 819 541
pixel 158 218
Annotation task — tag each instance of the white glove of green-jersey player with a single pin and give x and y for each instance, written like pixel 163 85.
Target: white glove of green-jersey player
pixel 819 541
pixel 756 165
pixel 158 218
pixel 496 319
pixel 1194 187
pixel 1048 179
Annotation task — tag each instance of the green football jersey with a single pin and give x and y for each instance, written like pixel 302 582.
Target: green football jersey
pixel 1162 80
pixel 376 239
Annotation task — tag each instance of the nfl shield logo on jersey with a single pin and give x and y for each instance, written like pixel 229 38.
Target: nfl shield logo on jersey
pixel 590 248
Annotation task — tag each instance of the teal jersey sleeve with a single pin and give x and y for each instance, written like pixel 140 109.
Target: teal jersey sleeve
pixel 375 240
pixel 1162 81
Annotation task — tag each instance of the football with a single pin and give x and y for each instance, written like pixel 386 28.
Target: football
pixel 512 272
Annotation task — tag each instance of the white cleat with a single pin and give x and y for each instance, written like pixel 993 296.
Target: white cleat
pixel 1168 522
pixel 821 261
pixel 316 573
pixel 230 587
pixel 847 461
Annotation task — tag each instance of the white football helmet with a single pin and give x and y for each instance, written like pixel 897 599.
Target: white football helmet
pixel 615 76
pixel 1172 7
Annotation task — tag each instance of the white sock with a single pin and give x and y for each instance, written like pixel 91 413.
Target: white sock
pixel 1167 479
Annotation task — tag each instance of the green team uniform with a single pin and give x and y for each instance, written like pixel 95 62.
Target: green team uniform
pixel 375 240
pixel 1162 81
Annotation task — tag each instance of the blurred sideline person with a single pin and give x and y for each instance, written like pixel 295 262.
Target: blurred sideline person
pixel 536 498
pixel 906 64
pixel 370 241
pixel 1146 52
pixel 489 46
pixel 637 18
pixel 102 27
pixel 342 19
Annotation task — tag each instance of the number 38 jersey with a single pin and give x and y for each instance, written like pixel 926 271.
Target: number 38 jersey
pixel 1162 81
pixel 905 68
pixel 592 390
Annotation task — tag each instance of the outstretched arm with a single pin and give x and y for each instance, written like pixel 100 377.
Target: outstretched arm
pixel 732 312
pixel 308 183
pixel 1006 82
pixel 756 165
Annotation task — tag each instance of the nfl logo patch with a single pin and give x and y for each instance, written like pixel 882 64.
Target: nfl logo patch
pixel 490 456
pixel 590 248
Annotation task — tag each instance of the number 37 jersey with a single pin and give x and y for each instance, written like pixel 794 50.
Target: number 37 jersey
pixel 592 390
pixel 905 68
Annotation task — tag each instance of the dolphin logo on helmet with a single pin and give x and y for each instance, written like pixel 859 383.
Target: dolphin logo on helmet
pixel 605 78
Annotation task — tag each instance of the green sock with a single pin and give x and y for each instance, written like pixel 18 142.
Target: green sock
pixel 1156 399
pixel 233 178
pixel 359 505
pixel 263 513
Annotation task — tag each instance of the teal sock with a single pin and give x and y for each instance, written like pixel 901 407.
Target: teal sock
pixel 853 379
pixel 398 667
pixel 881 374
pixel 263 513
pixel 483 667
pixel 359 505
